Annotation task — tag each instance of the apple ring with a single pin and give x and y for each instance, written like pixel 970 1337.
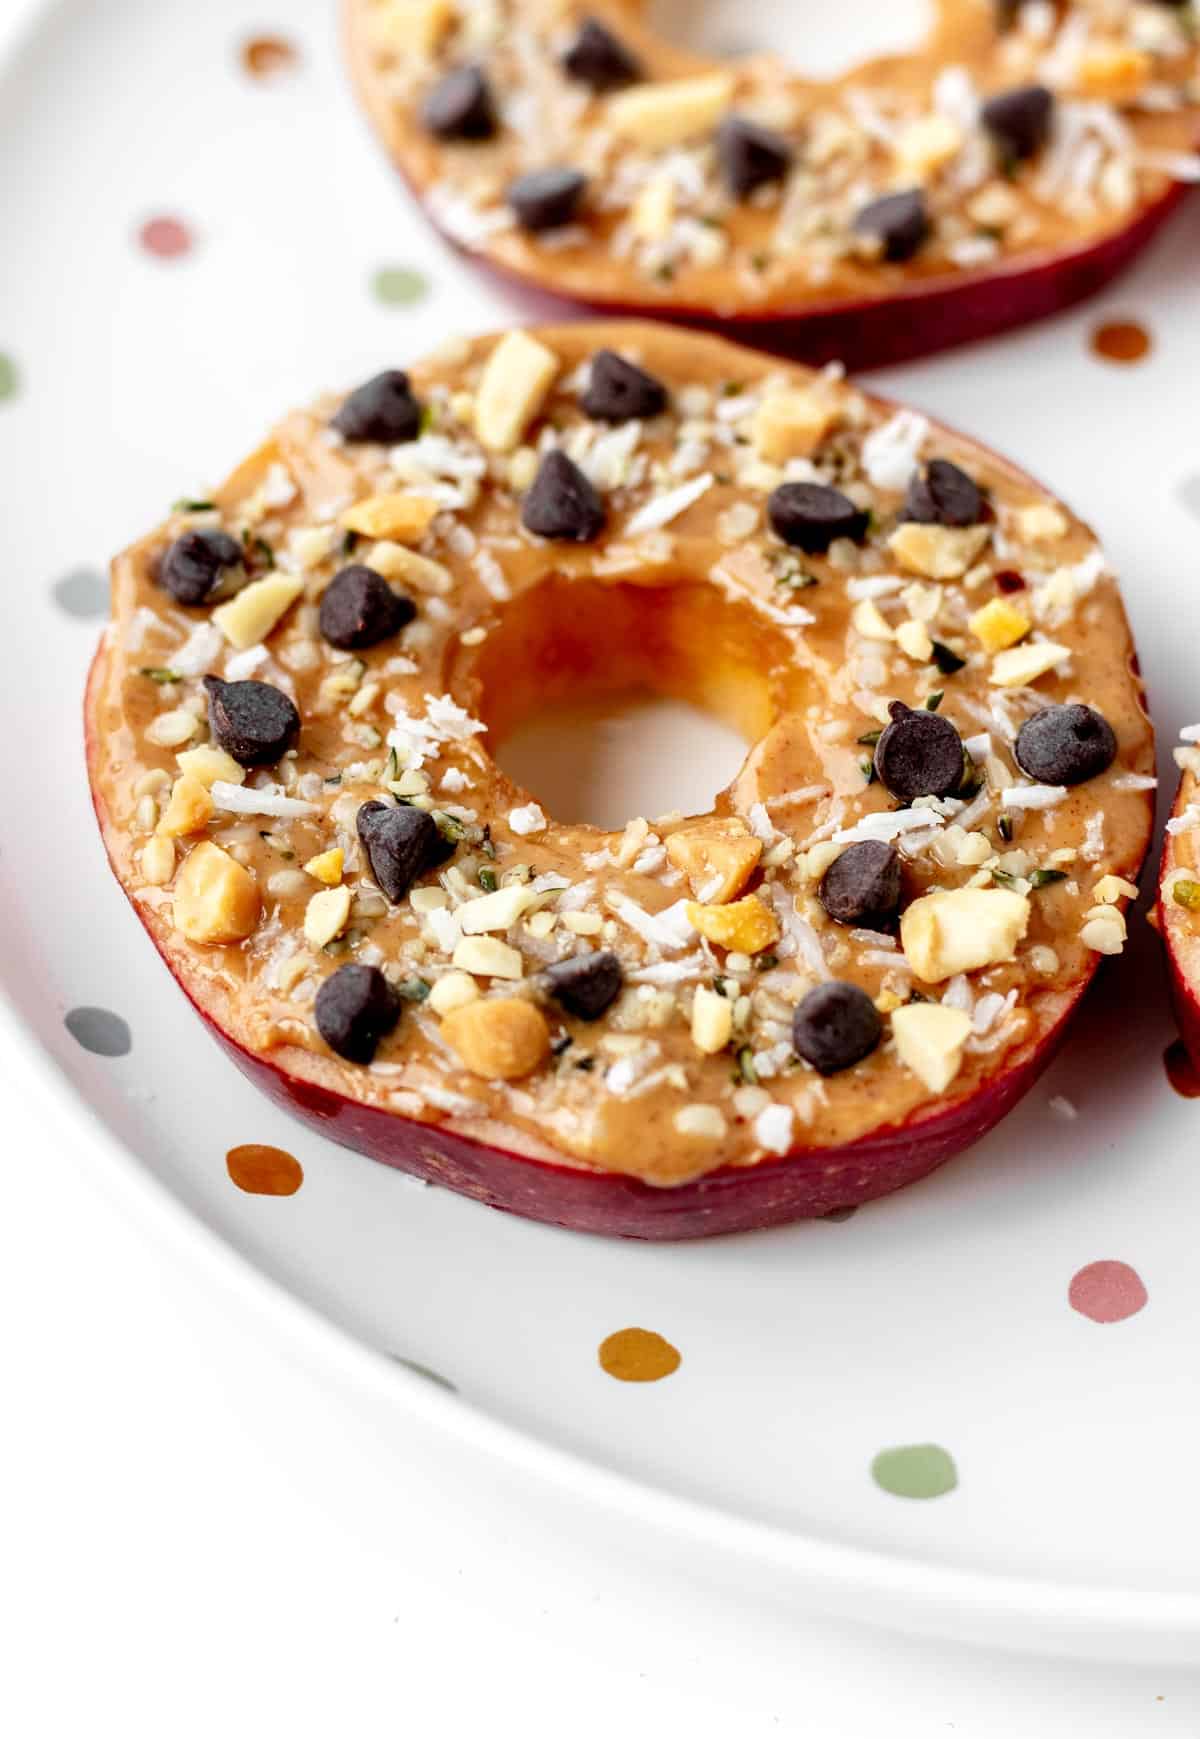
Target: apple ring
pixel 842 975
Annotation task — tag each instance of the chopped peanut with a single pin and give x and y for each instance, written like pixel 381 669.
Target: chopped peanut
pixel 1024 664
pixel 912 637
pixel 249 618
pixel 453 990
pixel 962 929
pixel 499 1038
pixel 512 389
pixel 712 1021
pixel 939 552
pixel 929 1041
pixel 216 898
pixel 401 516
pixel 208 764
pixel 327 866
pixel 999 625
pixel 868 620
pixel 497 911
pixel 792 423
pixel 158 861
pixel 488 958
pixel 718 857
pixel 653 210
pixel 1109 889
pixel 414 27
pixel 660 115
pixel 326 915
pixel 189 809
pixel 395 562
pixel 925 146
pixel 747 925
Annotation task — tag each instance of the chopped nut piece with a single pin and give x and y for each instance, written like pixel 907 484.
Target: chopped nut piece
pixel 868 620
pixel 512 389
pixel 248 618
pixel 939 552
pixel 718 857
pixel 327 866
pixel 791 423
pixel 929 1041
pixel 171 729
pixel 499 1038
pixel 400 516
pixel 1104 930
pixel 326 915
pixel 496 911
pixel 414 27
pixel 747 925
pixel 962 929
pixel 653 210
pixel 1109 889
pixel 488 957
pixel 659 115
pixel 395 562
pixel 216 898
pixel 188 810
pixel 994 206
pixel 912 637
pixel 455 990
pixel 999 625
pixel 158 861
pixel 925 146
pixel 1113 71
pixel 1024 664
pixel 208 764
pixel 700 1123
pixel 1040 522
pixel 712 1021
pixel 583 923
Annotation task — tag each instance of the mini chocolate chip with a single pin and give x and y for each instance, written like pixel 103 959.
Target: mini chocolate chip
pixel 460 106
pixel 750 155
pixel 562 503
pixel 1065 745
pixel 252 721
pixel 1019 120
pixel 196 563
pixel 899 221
pixel 382 409
pixel 546 198
pixel 401 845
pixel 599 59
pixel 836 1026
pixel 618 391
pixel 920 754
pixel 810 516
pixel 585 984
pixel 360 609
pixel 943 496
pixel 862 887
pixel 355 1008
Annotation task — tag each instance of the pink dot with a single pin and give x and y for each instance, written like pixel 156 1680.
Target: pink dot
pixel 167 238
pixel 1107 1292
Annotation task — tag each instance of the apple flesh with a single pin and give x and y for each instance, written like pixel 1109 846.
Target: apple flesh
pixel 1179 928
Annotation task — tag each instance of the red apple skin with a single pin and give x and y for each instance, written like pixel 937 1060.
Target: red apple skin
pixel 1181 937
pixel 807 1184
pixel 929 315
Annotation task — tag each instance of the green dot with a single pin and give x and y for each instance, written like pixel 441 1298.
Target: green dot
pixel 915 1470
pixel 399 286
pixel 8 377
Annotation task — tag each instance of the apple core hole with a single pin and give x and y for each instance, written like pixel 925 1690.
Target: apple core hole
pixel 818 40
pixel 607 701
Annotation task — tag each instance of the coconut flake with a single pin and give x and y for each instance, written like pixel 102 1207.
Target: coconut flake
pixel 244 664
pixel 662 509
pixel 670 930
pixel 1032 796
pixel 244 800
pixel 202 647
pixel 889 453
pixel 887 824
pixel 773 1128
pixel 528 819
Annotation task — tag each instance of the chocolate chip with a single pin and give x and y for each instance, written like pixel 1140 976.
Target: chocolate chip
pixel 899 221
pixel 252 721
pixel 810 516
pixel 1019 121
pixel 460 106
pixel 862 887
pixel 561 503
pixel 920 754
pixel 196 563
pixel 382 409
pixel 618 391
pixel 1064 745
pixel 599 59
pixel 944 496
pixel 401 845
pixel 355 1008
pixel 750 156
pixel 586 984
pixel 836 1026
pixel 360 609
pixel 546 198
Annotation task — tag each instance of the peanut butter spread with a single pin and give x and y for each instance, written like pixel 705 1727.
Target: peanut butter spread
pixel 945 799
pixel 567 142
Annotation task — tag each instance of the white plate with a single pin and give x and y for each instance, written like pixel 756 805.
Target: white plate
pixel 940 1316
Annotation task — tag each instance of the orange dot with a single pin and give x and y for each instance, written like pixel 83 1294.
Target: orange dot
pixel 264 1171
pixel 1121 341
pixel 264 57
pixel 638 1355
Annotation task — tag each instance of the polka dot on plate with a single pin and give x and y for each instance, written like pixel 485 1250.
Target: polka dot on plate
pixel 399 286
pixel 265 57
pixel 1121 341
pixel 10 380
pixel 100 1031
pixel 83 592
pixel 264 1171
pixel 166 238
pixel 1107 1292
pixel 917 1470
pixel 638 1355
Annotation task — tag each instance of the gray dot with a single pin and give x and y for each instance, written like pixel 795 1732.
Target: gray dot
pixel 424 1371
pixel 100 1031
pixel 1189 494
pixel 83 592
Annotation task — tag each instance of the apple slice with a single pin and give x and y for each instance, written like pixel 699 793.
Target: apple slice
pixel 999 174
pixel 1179 902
